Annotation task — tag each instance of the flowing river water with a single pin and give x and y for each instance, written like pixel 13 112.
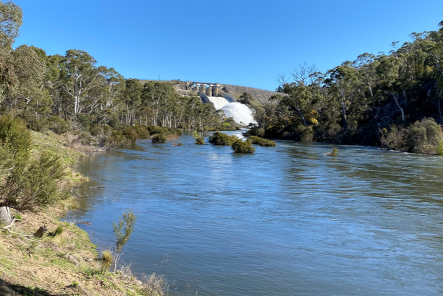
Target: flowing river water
pixel 286 220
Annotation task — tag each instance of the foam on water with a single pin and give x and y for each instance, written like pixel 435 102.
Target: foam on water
pixel 240 112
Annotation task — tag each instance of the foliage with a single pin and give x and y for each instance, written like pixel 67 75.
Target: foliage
pixel 200 141
pixel 262 142
pixel 155 285
pixel 29 183
pixel 58 230
pixel 123 230
pixel 159 138
pixel 243 147
pixel 58 125
pixel 222 139
pixel 423 136
pixel 334 152
pixel 107 259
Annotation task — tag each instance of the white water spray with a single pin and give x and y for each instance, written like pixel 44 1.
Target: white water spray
pixel 240 112
pixel 219 102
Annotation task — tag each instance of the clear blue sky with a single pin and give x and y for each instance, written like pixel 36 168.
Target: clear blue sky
pixel 233 42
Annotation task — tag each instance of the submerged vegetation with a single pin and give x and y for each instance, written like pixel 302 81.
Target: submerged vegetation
pixel 262 142
pixel 243 147
pixel 222 139
pixel 159 138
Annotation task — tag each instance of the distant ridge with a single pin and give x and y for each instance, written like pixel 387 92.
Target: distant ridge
pixel 258 94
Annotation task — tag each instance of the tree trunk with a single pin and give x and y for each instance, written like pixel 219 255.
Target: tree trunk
pixel 399 107
pixel 5 215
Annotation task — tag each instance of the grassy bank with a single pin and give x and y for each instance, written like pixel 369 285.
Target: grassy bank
pixel 62 262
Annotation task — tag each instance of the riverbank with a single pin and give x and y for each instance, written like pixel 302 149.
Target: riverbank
pixel 62 262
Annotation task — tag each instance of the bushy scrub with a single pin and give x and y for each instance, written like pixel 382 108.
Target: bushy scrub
pixel 159 138
pixel 222 139
pixel 29 182
pixel 142 132
pixel 200 141
pixel 262 142
pixel 84 120
pixel 305 133
pixel 130 134
pixel 243 147
pixel 58 125
pixel 394 138
pixel 423 136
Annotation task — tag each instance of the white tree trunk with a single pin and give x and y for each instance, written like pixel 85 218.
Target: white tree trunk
pixel 5 215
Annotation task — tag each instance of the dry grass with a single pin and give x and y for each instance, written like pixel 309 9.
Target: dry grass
pixel 107 259
pixel 64 261
pixel 66 264
pixel 155 285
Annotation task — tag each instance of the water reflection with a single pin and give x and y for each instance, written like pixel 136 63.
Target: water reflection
pixel 284 221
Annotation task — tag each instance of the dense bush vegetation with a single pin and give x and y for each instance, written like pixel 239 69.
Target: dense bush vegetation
pixel 372 100
pixel 222 139
pixel 262 142
pixel 423 136
pixel 28 181
pixel 242 147
pixel 200 141
pixel 159 138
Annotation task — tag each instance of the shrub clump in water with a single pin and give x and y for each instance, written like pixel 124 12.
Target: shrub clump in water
pixel 243 147
pixel 222 139
pixel 159 138
pixel 200 141
pixel 262 142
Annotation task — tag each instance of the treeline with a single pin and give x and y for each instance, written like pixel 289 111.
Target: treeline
pixel 71 92
pixel 393 100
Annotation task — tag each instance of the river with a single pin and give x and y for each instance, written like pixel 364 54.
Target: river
pixel 286 220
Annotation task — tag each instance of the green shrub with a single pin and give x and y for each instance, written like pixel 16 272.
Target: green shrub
pixel 394 138
pixel 200 141
pixel 305 133
pixel 222 139
pixel 58 231
pixel 85 138
pixel 38 124
pixel 142 132
pixel 439 149
pixel 156 130
pixel 424 136
pixel 84 120
pixel 58 125
pixel 34 183
pixel 334 152
pixel 243 147
pixel 15 137
pixel 96 130
pixel 107 259
pixel 262 142
pixel 123 230
pixel 130 134
pixel 159 138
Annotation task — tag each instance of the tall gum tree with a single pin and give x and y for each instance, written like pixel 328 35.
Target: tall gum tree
pixel 79 75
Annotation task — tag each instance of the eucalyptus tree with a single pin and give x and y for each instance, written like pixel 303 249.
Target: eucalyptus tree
pixel 78 76
pixel 11 18
pixel 10 21
pixel 132 97
pixel 343 84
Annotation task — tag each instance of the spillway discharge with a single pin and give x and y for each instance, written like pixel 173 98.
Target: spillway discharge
pixel 240 112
